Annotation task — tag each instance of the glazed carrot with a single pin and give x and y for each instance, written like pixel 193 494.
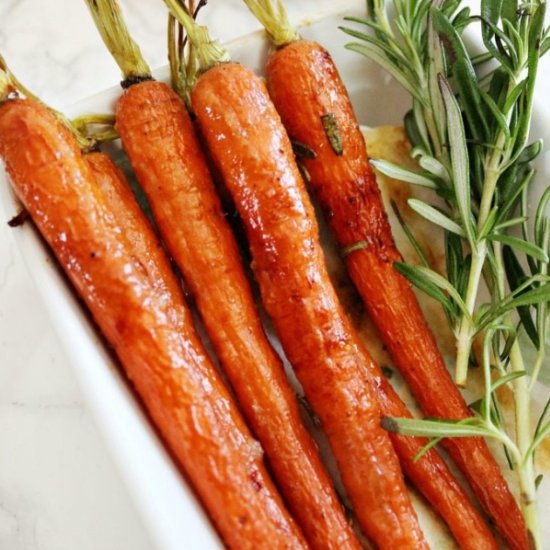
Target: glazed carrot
pixel 173 173
pixel 136 302
pixel 113 185
pixel 252 151
pixel 311 99
pixel 159 138
pixel 298 295
pixel 431 475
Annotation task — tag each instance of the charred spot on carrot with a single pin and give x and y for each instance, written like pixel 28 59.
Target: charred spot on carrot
pixel 303 170
pixel 387 372
pixel 306 407
pixel 19 219
pixel 301 150
pixel 134 79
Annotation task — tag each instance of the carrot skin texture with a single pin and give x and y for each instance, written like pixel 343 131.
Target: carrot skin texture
pixel 304 85
pixel 252 151
pixel 160 140
pixel 138 305
pixel 112 183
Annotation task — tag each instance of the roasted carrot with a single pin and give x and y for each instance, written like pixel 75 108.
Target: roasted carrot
pixel 137 304
pixel 113 185
pixel 175 177
pixel 315 108
pixel 252 151
pixel 160 140
pixel 430 473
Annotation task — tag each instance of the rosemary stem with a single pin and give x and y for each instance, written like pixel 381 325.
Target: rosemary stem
pixel 522 419
pixel 539 359
pixel 479 254
pixel 466 330
pixel 492 173
pixel 209 52
pixel 525 470
pixel 494 164
pixel 434 134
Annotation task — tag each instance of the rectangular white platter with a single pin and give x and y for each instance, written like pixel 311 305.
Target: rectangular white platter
pixel 168 507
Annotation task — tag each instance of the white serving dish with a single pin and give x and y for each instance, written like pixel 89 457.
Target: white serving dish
pixel 168 507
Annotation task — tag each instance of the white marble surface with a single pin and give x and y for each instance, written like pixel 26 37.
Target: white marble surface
pixel 59 488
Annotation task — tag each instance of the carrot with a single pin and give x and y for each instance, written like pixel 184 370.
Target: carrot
pixel 313 103
pixel 113 185
pixel 298 295
pixel 137 304
pixel 431 475
pixel 172 171
pixel 159 138
pixel 252 151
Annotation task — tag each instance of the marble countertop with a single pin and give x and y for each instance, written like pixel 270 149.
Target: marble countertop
pixel 59 488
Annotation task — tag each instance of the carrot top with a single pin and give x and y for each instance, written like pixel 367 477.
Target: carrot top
pixel 6 82
pixel 272 15
pixel 87 139
pixel 10 85
pixel 181 53
pixel 110 23
pixel 206 51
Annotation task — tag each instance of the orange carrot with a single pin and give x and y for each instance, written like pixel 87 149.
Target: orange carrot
pixel 313 103
pixel 126 282
pixel 252 151
pixel 159 138
pixel 430 473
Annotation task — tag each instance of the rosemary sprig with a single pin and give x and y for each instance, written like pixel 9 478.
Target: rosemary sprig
pixel 469 127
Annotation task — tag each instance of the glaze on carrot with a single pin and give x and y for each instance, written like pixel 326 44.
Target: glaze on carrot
pixel 306 89
pixel 127 284
pixel 253 154
pixel 430 473
pixel 159 138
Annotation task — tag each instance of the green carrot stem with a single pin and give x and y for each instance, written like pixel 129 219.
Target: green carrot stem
pixel 182 58
pixel 466 330
pixel 174 54
pixel 208 52
pixel 9 84
pixel 91 119
pixel 6 83
pixel 85 125
pixel 272 15
pixel 110 23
